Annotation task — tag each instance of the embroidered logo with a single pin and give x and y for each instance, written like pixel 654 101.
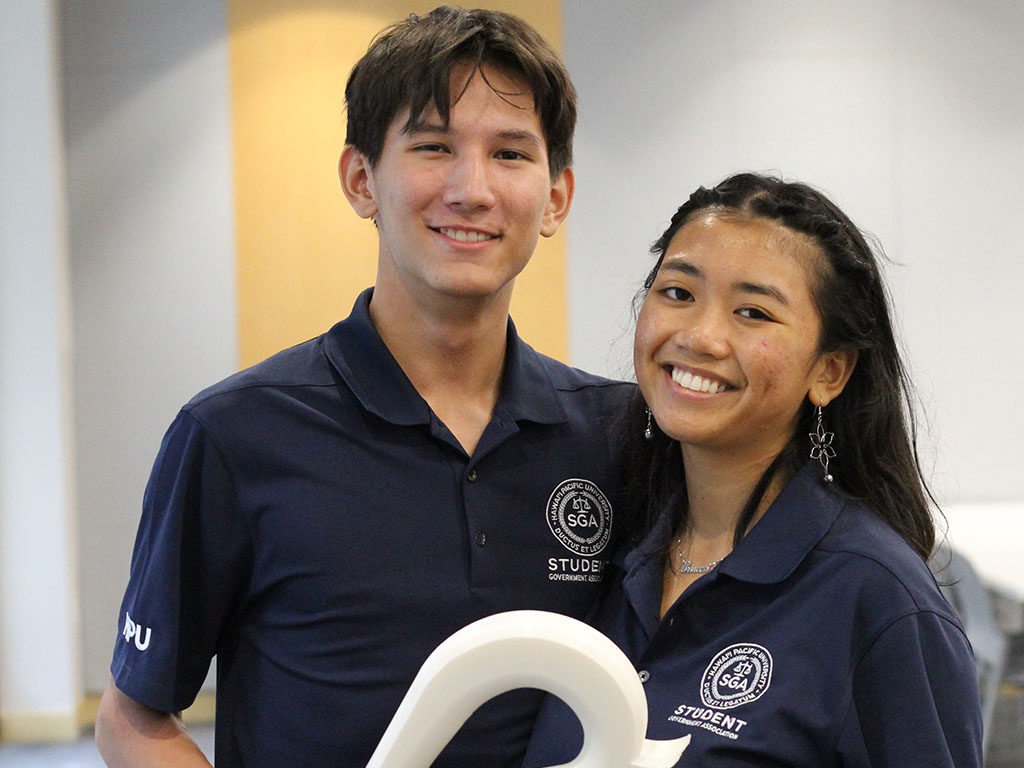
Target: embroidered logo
pixel 134 631
pixel 738 675
pixel 580 516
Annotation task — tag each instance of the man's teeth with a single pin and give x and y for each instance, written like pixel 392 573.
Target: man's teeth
pixel 466 236
pixel 696 383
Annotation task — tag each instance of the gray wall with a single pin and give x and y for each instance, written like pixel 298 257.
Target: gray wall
pixel 39 660
pixel 910 114
pixel 152 259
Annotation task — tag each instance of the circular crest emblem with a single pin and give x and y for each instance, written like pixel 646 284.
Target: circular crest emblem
pixel 738 675
pixel 580 516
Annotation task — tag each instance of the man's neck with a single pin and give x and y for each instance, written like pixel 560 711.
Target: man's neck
pixel 453 352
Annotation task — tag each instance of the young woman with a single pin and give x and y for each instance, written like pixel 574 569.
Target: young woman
pixel 775 598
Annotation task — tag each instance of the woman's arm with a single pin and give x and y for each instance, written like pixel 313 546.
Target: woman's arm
pixel 916 698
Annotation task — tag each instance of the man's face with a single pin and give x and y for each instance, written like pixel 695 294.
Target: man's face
pixel 459 209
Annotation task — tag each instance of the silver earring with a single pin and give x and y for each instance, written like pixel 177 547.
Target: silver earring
pixel 648 433
pixel 821 445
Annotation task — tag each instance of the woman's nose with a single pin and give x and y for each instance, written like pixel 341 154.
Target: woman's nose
pixel 706 334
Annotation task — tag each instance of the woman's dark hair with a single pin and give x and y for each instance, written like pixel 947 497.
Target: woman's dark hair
pixel 875 439
pixel 410 65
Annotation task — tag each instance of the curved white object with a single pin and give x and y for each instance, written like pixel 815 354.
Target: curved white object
pixel 527 649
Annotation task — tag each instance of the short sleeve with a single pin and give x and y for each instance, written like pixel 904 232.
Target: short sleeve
pixel 916 699
pixel 190 567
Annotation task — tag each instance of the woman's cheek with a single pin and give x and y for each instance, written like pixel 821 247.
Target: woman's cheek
pixel 775 365
pixel 642 341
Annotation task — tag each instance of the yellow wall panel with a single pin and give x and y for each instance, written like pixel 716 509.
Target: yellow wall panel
pixel 302 254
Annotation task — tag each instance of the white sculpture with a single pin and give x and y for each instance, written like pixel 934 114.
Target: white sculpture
pixel 528 649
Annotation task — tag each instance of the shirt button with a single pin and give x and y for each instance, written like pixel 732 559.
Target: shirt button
pixel 644 675
pixel 471 476
pixel 481 538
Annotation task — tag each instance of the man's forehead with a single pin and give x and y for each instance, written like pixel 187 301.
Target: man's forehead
pixel 505 84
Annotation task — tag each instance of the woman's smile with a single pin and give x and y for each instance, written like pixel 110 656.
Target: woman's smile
pixel 698 382
pixel 726 344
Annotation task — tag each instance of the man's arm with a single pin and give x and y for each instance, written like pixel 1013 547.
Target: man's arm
pixel 129 734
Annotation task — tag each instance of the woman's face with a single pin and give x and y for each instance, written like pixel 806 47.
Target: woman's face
pixel 726 345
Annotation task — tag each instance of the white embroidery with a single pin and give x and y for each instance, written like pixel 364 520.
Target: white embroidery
pixel 738 675
pixel 580 516
pixel 134 631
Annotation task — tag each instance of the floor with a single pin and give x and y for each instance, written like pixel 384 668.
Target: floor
pixel 80 754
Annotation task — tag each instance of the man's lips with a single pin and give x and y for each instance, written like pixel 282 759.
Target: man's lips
pixel 465 235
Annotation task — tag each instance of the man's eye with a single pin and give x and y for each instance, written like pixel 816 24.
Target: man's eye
pixel 431 148
pixel 510 154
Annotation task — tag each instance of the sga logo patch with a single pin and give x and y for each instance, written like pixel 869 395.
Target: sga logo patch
pixel 580 516
pixel 738 675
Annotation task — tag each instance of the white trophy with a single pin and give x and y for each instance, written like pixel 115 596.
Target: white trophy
pixel 528 649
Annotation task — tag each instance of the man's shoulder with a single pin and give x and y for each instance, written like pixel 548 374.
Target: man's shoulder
pixel 303 365
pixel 566 378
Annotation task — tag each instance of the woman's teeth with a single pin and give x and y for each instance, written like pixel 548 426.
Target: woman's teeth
pixel 696 383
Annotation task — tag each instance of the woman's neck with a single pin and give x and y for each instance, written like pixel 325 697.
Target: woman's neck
pixel 718 487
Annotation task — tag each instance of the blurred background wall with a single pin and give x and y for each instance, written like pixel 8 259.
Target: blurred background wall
pixel 169 212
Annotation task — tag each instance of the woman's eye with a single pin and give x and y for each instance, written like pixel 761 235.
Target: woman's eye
pixel 678 294
pixel 752 313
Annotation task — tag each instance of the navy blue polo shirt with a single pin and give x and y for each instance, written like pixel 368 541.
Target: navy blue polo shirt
pixel 822 640
pixel 312 523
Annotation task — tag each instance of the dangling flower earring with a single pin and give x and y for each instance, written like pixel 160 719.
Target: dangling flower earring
pixel 648 433
pixel 821 445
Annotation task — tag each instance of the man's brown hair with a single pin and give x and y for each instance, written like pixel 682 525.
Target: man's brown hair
pixel 410 65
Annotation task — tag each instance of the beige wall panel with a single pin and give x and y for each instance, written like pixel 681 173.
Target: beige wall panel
pixel 302 254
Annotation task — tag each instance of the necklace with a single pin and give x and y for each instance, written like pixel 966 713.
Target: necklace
pixel 685 565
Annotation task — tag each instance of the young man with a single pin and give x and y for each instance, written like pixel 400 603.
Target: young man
pixel 325 519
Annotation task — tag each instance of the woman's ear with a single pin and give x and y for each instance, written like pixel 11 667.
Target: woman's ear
pixel 356 177
pixel 833 371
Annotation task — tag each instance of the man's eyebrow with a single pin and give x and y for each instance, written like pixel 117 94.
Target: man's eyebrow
pixel 512 134
pixel 421 126
pixel 521 135
pixel 762 290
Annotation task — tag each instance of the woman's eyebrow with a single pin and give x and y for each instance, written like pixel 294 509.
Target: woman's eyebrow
pixel 682 266
pixel 762 290
pixel 759 289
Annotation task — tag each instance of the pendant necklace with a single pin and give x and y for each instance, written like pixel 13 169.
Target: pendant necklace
pixel 685 565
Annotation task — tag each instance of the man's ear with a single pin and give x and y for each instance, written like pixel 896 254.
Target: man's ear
pixel 562 189
pixel 834 370
pixel 357 181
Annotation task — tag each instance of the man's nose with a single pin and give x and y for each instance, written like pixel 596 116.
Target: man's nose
pixel 469 182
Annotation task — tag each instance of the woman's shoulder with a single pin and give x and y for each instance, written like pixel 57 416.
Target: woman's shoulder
pixel 887 568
